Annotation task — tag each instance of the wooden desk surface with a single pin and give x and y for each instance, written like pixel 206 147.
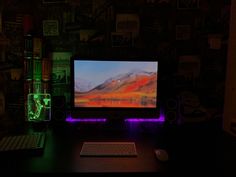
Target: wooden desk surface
pixel 193 151
pixel 62 152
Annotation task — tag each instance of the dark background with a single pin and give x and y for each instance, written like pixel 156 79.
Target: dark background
pixel 168 29
pixel 189 38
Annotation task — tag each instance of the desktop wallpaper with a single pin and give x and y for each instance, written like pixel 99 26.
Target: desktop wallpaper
pixel 120 84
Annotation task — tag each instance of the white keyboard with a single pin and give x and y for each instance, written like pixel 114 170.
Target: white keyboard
pixel 108 149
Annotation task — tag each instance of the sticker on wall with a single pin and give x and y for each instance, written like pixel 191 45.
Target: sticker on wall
pixel 53 1
pixel 187 4
pixel 50 28
pixel 121 39
pixel 128 23
pixel 183 32
pixel 215 41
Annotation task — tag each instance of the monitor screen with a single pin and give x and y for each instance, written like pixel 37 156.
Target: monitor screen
pixel 114 87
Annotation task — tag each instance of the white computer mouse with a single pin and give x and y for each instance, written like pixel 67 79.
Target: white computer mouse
pixel 161 154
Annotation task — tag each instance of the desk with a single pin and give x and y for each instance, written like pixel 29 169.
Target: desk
pixel 64 142
pixel 194 150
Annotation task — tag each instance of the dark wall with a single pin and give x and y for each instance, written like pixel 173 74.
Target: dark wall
pixel 168 29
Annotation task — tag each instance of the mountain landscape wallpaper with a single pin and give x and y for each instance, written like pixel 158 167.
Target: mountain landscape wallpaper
pixel 116 84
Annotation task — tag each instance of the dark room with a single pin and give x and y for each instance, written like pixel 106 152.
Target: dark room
pixel 112 87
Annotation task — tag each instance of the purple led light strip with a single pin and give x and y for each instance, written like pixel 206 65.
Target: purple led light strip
pixel 160 119
pixel 70 119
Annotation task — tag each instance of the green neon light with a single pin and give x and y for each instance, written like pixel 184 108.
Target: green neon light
pixel 37 70
pixel 39 107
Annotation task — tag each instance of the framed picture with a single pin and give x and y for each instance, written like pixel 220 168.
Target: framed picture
pixel 128 23
pixel 187 4
pixel 59 76
pixel 183 32
pixel 86 34
pixel 121 39
pixel 50 28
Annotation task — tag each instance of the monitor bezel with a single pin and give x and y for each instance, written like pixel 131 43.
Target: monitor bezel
pixel 112 112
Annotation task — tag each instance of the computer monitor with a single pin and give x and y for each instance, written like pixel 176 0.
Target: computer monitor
pixel 114 88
